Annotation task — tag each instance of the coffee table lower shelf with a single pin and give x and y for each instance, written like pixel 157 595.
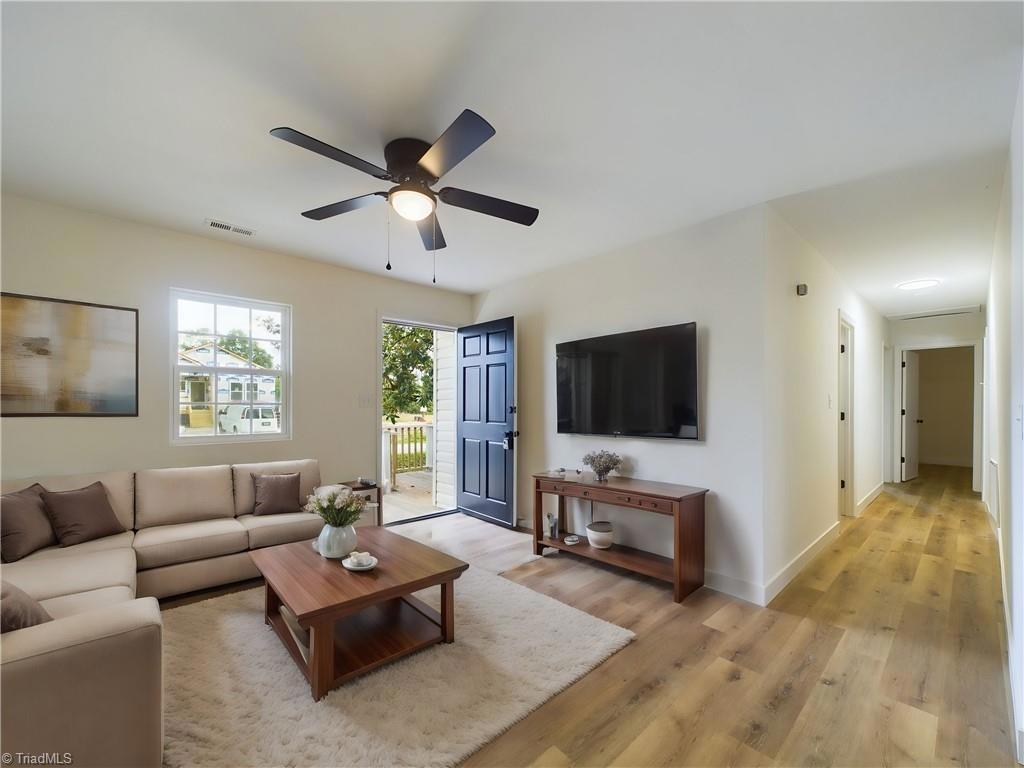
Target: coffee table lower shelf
pixel 360 641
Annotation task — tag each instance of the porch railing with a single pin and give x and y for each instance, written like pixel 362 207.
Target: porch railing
pixel 408 449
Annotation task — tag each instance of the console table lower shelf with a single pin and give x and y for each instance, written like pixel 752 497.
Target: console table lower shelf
pixel 684 570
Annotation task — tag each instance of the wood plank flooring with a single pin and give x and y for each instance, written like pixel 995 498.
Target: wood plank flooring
pixel 887 650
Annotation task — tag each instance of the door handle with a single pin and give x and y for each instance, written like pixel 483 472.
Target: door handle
pixel 509 440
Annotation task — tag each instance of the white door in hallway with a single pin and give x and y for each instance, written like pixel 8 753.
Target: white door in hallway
pixel 910 415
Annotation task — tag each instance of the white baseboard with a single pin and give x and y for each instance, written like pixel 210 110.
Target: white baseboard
pixel 786 575
pixel 730 585
pixel 872 495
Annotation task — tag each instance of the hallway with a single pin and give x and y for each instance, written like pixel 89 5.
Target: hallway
pixel 888 649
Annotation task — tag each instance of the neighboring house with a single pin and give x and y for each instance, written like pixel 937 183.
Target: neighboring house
pixel 198 392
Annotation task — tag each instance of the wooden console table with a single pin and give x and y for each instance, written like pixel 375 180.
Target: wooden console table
pixel 685 570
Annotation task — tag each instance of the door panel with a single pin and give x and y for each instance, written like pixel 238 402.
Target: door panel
pixel 486 427
pixel 910 416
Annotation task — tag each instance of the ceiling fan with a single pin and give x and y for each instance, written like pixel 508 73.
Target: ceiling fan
pixel 414 166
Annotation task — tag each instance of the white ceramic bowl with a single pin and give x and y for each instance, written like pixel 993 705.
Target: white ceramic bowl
pixel 600 534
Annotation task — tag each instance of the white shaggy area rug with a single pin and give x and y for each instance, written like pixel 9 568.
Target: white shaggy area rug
pixel 234 697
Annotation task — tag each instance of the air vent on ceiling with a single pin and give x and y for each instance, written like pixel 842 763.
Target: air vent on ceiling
pixel 224 226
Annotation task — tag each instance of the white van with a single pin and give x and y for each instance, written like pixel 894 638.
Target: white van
pixel 234 419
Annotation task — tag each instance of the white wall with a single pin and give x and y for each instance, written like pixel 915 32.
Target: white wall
pixel 946 406
pixel 711 273
pixel 801 434
pixel 1004 407
pixel 60 252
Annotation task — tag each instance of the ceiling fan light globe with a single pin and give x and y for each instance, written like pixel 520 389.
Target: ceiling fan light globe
pixel 411 205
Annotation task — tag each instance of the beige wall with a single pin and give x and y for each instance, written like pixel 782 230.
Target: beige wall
pixel 65 253
pixel 802 389
pixel 710 273
pixel 946 404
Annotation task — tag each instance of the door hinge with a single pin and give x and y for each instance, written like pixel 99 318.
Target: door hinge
pixel 842 415
pixel 903 364
pixel 903 459
pixel 842 483
pixel 903 411
pixel 511 409
pixel 842 348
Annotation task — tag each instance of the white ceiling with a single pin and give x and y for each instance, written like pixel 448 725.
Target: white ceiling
pixel 618 121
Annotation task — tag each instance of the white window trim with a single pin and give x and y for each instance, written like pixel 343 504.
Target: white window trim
pixel 285 371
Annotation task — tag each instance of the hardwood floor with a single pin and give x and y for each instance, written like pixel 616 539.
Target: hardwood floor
pixel 888 649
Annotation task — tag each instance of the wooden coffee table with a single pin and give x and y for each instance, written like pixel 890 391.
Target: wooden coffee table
pixel 338 624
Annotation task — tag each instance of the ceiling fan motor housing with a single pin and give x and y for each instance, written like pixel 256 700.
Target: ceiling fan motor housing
pixel 402 157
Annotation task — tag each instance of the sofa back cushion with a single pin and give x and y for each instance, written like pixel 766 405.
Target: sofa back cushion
pixel 245 489
pixel 120 488
pixel 182 495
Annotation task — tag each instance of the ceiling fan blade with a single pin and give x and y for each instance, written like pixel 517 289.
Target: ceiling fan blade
pixel 459 141
pixel 315 145
pixel 430 233
pixel 492 206
pixel 326 211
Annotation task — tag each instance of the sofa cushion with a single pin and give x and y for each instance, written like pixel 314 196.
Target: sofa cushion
pixel 245 489
pixel 182 495
pixel 184 542
pixel 19 610
pixel 44 578
pixel 24 526
pixel 69 605
pixel 120 487
pixel 117 541
pixel 268 530
pixel 81 515
pixel 276 494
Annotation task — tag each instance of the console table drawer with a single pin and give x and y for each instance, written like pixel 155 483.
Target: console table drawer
pixel 561 488
pixel 609 496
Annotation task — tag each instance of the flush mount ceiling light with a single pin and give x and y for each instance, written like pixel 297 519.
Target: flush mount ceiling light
pixel 411 203
pixel 918 285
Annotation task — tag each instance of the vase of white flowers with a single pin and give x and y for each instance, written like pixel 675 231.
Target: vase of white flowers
pixel 339 510
pixel 602 462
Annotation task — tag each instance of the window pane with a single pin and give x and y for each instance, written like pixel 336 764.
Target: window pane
pixel 232 321
pixel 266 389
pixel 266 324
pixel 233 419
pixel 195 316
pixel 265 419
pixel 194 388
pixel 266 354
pixel 196 350
pixel 195 419
pixel 233 388
pixel 233 352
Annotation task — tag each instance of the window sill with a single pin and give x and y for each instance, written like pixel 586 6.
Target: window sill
pixel 180 442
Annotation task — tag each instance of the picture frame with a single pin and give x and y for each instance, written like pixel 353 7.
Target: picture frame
pixel 61 357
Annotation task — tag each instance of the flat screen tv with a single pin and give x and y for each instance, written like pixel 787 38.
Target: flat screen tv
pixel 637 384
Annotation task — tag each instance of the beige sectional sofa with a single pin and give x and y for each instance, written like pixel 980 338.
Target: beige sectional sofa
pixel 89 682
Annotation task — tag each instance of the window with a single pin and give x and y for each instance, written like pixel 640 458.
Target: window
pixel 231 368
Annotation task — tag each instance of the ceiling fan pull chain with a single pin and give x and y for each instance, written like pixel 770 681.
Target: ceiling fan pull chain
pixel 434 252
pixel 388 267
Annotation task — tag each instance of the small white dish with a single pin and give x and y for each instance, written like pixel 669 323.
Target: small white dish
pixel 349 565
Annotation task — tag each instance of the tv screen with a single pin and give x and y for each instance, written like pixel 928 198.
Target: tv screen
pixel 639 384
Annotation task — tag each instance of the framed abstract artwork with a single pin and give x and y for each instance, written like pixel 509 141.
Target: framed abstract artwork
pixel 67 358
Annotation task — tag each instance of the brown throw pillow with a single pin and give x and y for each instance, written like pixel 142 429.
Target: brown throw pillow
pixel 276 494
pixel 19 610
pixel 81 515
pixel 24 526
